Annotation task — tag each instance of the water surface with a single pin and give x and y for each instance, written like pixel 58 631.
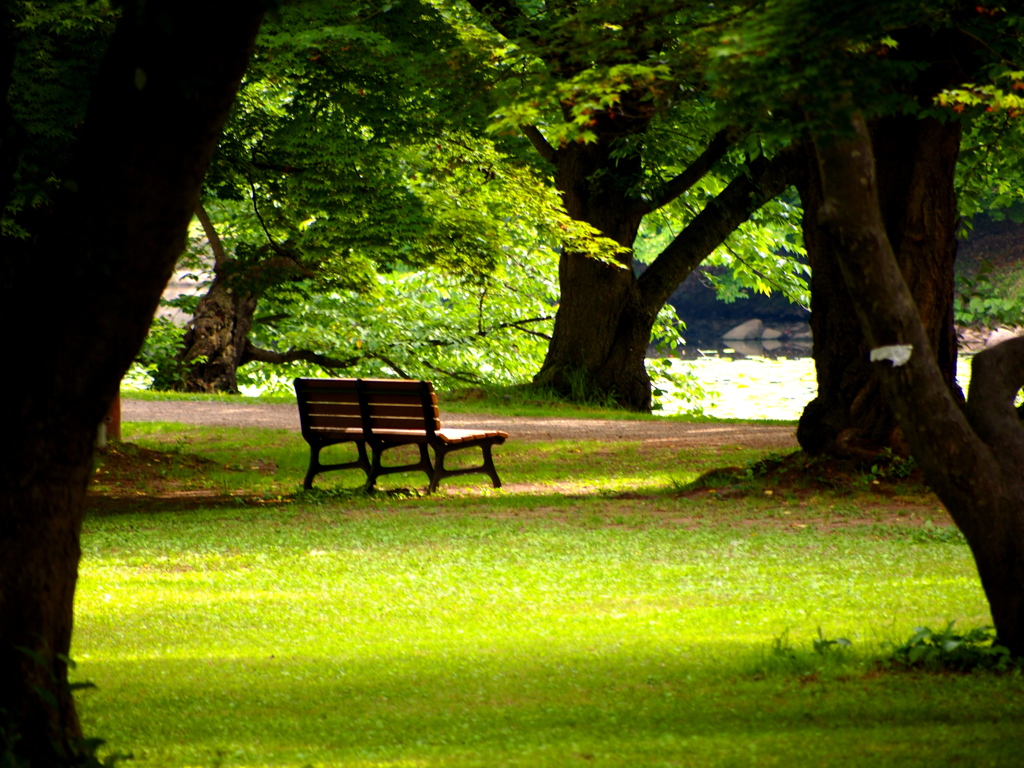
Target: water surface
pixel 759 387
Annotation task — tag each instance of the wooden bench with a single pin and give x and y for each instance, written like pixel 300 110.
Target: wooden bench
pixel 383 414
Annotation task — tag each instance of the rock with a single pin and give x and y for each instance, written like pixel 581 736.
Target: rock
pixel 802 335
pixel 749 330
pixel 747 348
pixel 771 333
pixel 998 336
pixel 771 345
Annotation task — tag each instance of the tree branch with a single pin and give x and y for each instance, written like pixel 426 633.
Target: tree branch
pixel 469 378
pixel 257 354
pixel 544 149
pixel 518 325
pixel 755 271
pixel 997 374
pixel 220 256
pixel 388 361
pixel 733 206
pixel 716 148
pixel 285 263
pixel 259 217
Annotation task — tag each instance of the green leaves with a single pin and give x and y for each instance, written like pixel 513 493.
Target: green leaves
pixel 427 324
pixel 984 300
pixel 57 49
pixel 975 649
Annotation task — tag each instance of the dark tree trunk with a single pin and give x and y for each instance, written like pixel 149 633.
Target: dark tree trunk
pixel 103 258
pixel 601 334
pixel 219 334
pixel 972 457
pixel 916 159
pixel 598 299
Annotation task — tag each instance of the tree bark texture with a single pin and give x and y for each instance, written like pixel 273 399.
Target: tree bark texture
pixel 971 456
pixel 916 162
pixel 215 344
pixel 103 258
pixel 595 296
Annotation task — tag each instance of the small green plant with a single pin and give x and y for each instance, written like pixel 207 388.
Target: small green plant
pixel 929 532
pixel 584 391
pixel 826 655
pixel 157 365
pixel 824 645
pixel 988 300
pixel 781 648
pixel 762 467
pixel 683 386
pixel 949 650
pixel 891 466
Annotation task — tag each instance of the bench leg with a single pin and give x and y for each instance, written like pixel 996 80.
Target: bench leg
pixel 374 473
pixel 314 467
pixel 363 460
pixel 438 471
pixel 427 464
pixel 487 468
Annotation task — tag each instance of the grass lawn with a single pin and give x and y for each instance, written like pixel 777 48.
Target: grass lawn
pixel 596 612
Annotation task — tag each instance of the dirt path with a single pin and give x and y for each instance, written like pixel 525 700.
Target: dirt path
pixel 667 433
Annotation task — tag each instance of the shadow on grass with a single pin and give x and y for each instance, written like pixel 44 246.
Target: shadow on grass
pixel 534 707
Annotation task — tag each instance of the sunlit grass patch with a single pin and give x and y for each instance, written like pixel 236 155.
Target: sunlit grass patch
pixel 622 623
pixel 454 639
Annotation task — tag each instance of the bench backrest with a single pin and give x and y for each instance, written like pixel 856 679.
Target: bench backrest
pixel 327 405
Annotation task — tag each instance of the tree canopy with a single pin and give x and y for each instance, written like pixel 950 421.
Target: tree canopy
pixel 353 163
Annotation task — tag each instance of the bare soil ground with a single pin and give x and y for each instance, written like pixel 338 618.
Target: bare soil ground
pixel 795 492
pixel 665 433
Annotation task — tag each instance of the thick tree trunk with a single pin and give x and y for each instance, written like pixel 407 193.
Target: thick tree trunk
pixel 600 336
pixel 600 302
pixel 916 160
pixel 215 343
pixel 972 457
pixel 156 109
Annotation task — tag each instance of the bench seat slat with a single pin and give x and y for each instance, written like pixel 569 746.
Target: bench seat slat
pixel 334 409
pixel 401 435
pixel 312 398
pixel 326 396
pixel 338 385
pixel 407 411
pixel 374 386
pixel 353 409
pixel 371 398
pixel 378 398
pixel 390 422
pixel 343 423
pixel 329 431
pixel 466 435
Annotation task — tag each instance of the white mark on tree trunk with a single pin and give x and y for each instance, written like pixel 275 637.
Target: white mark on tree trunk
pixel 897 353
